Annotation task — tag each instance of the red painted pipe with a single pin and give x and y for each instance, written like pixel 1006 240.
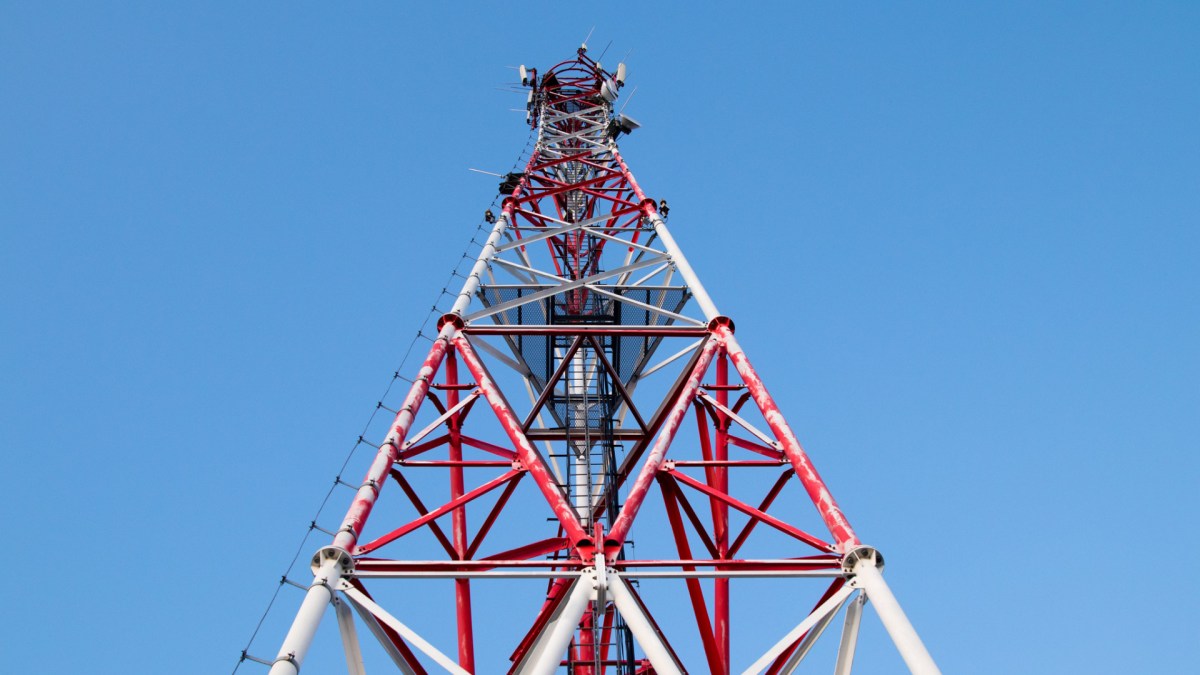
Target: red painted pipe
pixel 654 460
pixel 364 500
pixel 834 519
pixel 526 453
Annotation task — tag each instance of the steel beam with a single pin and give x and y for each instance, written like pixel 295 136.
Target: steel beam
pixel 345 619
pixel 803 627
pixel 845 656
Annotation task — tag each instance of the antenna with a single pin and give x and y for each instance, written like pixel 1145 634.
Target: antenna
pixel 589 37
pixel 627 100
pixel 608 91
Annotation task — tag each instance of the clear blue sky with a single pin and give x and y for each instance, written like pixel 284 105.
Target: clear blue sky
pixel 959 240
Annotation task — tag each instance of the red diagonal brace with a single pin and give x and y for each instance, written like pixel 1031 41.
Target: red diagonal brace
pixel 755 447
pixel 534 550
pixel 699 608
pixel 753 512
pixel 491 517
pixel 402 648
pixel 834 519
pixel 654 460
pixel 364 499
pixel 488 447
pixel 423 510
pixel 526 453
pixel 766 504
pixel 438 512
pixel 420 448
pixel 672 492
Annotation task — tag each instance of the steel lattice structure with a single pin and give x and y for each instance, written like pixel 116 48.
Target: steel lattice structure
pixel 580 349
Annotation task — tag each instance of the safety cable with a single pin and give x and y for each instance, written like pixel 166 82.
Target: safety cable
pixel 245 655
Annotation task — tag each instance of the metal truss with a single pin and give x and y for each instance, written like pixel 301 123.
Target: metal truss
pixel 584 374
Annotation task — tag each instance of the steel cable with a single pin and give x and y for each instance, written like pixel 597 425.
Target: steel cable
pixel 245 655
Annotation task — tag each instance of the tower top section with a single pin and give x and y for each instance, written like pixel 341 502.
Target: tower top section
pixel 571 86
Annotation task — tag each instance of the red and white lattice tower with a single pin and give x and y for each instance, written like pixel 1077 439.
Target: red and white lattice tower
pixel 585 393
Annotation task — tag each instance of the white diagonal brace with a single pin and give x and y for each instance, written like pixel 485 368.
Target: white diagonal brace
pixel 523 254
pixel 803 627
pixel 548 232
pixel 807 643
pixel 503 358
pixel 642 628
pixel 670 359
pixel 409 442
pixel 544 234
pixel 385 641
pixel 359 598
pixel 648 307
pixel 562 288
pixel 532 271
pixel 845 657
pixel 579 135
pixel 653 273
pixel 345 619
pixel 624 242
pixel 741 422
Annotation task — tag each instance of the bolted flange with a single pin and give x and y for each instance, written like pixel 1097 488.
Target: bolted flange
pixel 332 553
pixel 450 318
pixel 859 554
pixel 721 321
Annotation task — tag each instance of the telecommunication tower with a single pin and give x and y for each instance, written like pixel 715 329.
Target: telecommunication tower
pixel 584 393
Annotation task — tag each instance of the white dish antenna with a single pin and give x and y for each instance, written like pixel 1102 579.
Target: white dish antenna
pixel 608 89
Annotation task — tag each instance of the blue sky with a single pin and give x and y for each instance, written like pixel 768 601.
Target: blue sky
pixel 958 239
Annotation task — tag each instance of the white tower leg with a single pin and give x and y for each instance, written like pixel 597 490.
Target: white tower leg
pixel 912 650
pixel 304 626
pixel 552 644
pixel 643 631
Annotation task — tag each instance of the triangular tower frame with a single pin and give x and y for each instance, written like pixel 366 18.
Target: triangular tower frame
pixel 581 288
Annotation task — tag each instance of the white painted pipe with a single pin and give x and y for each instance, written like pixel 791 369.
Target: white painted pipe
pixel 685 268
pixel 345 618
pixel 385 641
pixel 304 626
pixel 643 631
pixel 845 657
pixel 550 655
pixel 360 598
pixel 471 285
pixel 803 627
pixel 903 635
pixel 807 643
